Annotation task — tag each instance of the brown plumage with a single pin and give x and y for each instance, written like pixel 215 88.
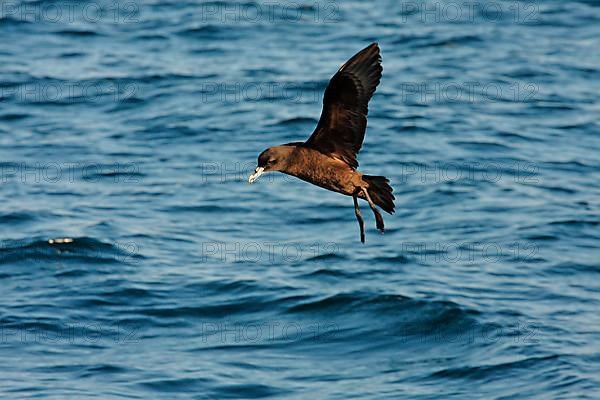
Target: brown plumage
pixel 328 158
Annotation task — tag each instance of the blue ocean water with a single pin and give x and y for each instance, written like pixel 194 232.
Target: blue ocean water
pixel 136 262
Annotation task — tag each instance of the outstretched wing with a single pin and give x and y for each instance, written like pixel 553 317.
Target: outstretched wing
pixel 341 129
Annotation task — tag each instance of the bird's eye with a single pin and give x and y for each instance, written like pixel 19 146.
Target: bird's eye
pixel 272 161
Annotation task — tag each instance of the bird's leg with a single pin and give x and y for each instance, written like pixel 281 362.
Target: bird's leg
pixel 361 222
pixel 378 217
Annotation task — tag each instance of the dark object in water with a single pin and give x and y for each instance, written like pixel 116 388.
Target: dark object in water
pixel 328 158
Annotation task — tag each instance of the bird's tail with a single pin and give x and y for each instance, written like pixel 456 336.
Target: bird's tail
pixel 381 192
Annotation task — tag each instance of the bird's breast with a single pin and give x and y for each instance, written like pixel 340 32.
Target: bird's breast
pixel 324 171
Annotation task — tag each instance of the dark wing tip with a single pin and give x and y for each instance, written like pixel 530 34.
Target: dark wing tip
pixel 370 54
pixel 365 69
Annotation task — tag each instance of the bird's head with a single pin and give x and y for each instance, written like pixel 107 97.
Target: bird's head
pixel 272 159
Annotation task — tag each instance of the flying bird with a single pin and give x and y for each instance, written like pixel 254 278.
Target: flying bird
pixel 328 158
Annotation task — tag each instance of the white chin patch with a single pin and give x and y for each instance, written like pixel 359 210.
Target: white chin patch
pixel 257 172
